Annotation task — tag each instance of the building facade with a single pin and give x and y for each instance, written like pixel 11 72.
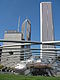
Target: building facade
pixel 14 53
pixel 46 31
pixel 26 31
pixel 11 55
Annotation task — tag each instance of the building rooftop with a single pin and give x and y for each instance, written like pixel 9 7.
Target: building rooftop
pixel 45 2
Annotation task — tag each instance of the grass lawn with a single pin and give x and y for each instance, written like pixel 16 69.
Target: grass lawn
pixel 22 77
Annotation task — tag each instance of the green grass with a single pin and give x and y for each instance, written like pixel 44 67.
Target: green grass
pixel 21 77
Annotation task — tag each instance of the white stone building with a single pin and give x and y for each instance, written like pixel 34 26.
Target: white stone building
pixel 11 55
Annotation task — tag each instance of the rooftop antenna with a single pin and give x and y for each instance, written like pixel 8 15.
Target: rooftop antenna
pixel 18 23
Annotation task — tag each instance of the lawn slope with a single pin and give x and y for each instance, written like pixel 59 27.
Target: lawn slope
pixel 21 77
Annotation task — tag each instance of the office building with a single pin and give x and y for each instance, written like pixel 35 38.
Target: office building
pixel 11 55
pixel 46 31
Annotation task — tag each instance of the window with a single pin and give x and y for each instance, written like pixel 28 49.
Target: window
pixel 11 53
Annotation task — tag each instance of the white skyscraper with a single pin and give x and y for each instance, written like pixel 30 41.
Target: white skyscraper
pixel 46 29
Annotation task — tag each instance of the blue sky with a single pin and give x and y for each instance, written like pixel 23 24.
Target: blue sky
pixel 10 10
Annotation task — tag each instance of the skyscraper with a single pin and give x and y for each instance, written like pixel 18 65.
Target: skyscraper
pixel 26 31
pixel 46 29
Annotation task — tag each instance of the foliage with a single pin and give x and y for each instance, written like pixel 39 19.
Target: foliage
pixel 1 66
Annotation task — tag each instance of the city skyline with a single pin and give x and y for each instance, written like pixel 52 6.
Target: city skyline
pixel 11 10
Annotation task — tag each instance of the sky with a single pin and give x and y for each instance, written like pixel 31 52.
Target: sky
pixel 10 10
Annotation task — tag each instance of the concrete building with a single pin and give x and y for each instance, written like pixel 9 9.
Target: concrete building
pixel 11 55
pixel 46 30
pixel 26 31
